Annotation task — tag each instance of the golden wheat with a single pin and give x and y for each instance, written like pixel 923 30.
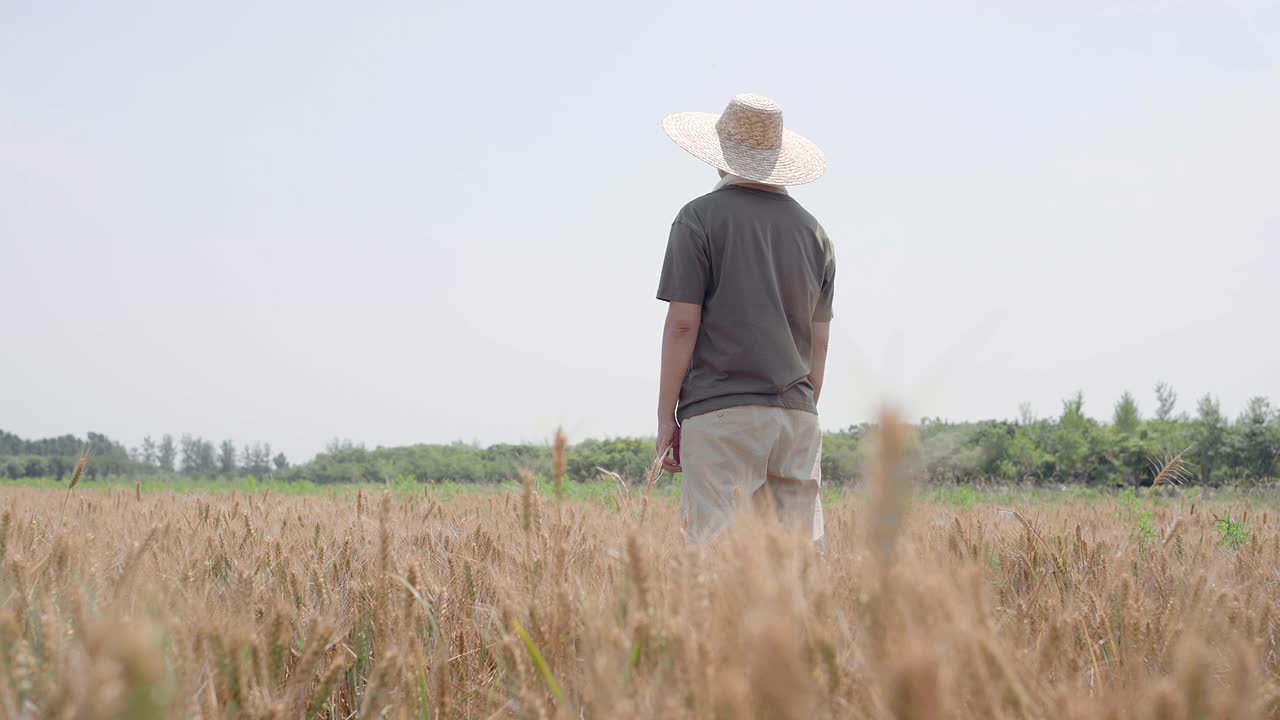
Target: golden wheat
pixel 275 607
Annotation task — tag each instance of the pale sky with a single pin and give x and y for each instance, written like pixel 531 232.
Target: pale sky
pixel 427 222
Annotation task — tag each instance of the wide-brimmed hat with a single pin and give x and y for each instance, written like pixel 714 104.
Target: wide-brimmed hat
pixel 748 140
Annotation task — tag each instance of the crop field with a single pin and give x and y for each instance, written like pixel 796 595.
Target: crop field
pixel 516 603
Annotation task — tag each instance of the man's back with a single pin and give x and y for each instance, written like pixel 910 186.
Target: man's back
pixel 763 271
pixel 748 277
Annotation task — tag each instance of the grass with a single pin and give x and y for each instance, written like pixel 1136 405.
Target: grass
pixel 667 487
pixel 1232 532
pixel 596 490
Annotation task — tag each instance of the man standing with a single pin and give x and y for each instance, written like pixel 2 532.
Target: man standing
pixel 749 276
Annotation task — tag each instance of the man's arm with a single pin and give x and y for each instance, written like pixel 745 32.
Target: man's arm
pixel 818 364
pixel 679 335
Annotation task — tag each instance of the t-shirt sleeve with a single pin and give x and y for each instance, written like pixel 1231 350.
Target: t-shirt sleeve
pixel 686 269
pixel 822 312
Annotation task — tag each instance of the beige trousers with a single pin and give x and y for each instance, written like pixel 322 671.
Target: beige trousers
pixel 766 455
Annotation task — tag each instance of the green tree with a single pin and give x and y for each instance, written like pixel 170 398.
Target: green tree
pixel 246 459
pixel 1126 419
pixel 1072 441
pixel 199 457
pixel 1126 444
pixel 1254 447
pixel 255 460
pixel 35 467
pixel 227 458
pixel 1025 415
pixel 189 447
pixel 1166 401
pixel 844 454
pixel 11 444
pixel 150 454
pixel 1273 435
pixel 629 457
pixel 1211 428
pixel 1028 457
pixel 167 453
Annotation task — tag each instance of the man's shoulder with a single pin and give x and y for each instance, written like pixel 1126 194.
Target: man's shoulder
pixel 737 198
pixel 698 206
pixel 704 210
pixel 697 213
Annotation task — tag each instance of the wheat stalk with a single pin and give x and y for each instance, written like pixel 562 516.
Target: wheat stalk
pixel 75 479
pixel 559 462
pixel 1173 471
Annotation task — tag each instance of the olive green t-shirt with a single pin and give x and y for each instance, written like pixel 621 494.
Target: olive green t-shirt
pixel 763 270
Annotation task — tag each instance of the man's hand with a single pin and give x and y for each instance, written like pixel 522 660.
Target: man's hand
pixel 669 445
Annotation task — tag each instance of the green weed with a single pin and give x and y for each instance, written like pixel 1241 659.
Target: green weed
pixel 1232 532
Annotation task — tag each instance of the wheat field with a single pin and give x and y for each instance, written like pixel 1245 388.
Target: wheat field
pixel 115 604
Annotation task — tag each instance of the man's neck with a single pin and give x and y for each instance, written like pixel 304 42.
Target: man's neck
pixel 733 180
pixel 766 188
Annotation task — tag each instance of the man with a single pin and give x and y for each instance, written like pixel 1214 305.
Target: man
pixel 749 276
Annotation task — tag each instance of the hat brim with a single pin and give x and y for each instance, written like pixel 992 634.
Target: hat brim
pixel 797 162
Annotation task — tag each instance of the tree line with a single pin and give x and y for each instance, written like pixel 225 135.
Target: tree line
pixel 1070 447
pixel 458 462
pixel 1073 448
pixel 185 456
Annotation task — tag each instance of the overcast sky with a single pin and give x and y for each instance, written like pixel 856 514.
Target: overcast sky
pixel 427 222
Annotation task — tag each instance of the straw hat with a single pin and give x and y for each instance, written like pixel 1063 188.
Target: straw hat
pixel 748 140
